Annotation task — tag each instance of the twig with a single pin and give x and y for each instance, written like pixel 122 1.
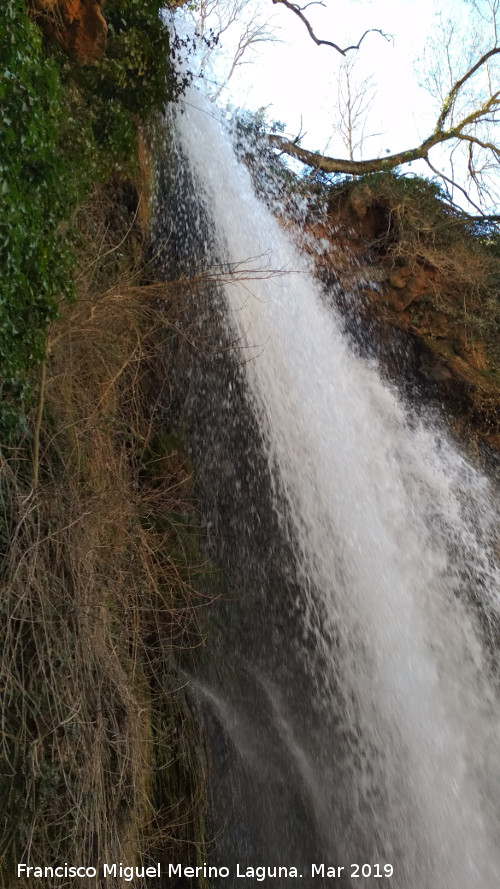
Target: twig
pixel 38 423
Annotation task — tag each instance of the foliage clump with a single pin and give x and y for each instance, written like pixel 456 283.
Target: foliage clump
pixel 63 129
pixel 133 79
pixel 413 203
pixel 277 183
pixel 134 71
pixel 36 191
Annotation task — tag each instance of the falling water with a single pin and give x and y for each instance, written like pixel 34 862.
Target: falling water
pixel 374 698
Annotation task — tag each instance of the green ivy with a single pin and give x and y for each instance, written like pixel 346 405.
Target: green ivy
pixel 35 263
pixel 134 74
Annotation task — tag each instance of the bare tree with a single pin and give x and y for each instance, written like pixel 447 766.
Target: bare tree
pixel 216 19
pixel 255 31
pixel 354 98
pixel 460 122
pixel 466 84
pixel 449 57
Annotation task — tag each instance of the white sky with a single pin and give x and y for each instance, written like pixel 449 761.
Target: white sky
pixel 296 78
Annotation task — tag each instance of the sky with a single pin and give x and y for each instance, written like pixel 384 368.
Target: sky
pixel 299 78
pixel 297 81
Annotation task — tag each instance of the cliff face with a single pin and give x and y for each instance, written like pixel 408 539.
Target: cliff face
pixel 78 26
pixel 428 300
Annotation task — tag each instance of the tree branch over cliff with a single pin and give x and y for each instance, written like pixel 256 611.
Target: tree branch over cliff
pixel 299 12
pixel 471 126
pixel 353 167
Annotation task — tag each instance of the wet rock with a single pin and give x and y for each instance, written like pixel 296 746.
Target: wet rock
pixel 433 369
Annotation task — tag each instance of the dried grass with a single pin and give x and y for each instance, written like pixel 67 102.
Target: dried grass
pixel 97 593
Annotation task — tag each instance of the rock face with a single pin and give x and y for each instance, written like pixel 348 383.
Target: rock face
pixel 78 26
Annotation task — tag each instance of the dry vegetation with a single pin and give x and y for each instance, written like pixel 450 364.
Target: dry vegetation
pixel 435 252
pixel 430 275
pixel 97 577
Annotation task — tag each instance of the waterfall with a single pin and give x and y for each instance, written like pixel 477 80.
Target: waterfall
pixel 356 718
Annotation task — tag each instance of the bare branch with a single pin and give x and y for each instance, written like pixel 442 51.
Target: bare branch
pixel 299 11
pixel 453 185
pixel 255 32
pixel 489 146
pixel 357 168
pixel 457 86
pixel 216 20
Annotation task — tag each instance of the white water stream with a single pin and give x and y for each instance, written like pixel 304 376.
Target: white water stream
pixel 394 528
